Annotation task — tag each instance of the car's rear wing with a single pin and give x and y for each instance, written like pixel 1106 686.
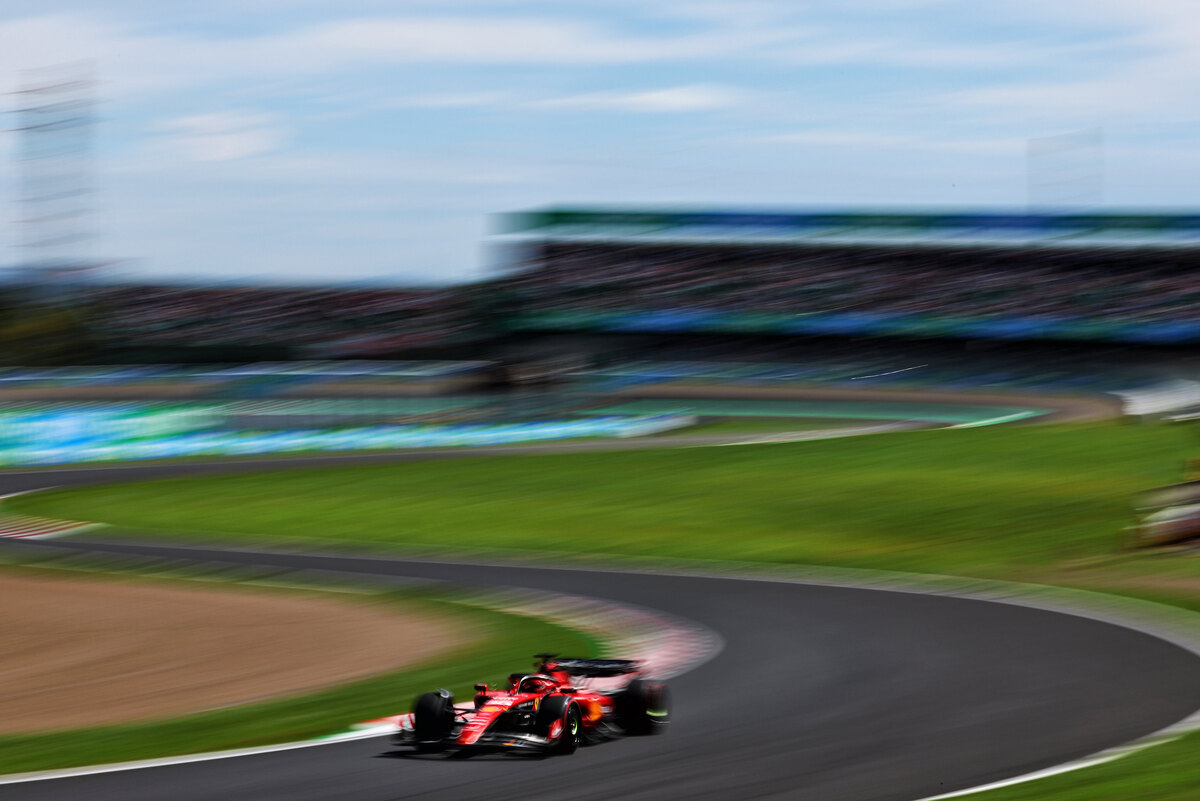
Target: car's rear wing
pixel 597 668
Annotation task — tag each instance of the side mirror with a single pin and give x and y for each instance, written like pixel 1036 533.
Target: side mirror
pixel 481 688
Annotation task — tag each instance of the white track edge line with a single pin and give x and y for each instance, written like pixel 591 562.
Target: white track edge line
pixel 116 767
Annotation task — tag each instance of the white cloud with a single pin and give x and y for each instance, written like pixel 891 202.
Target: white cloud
pixel 1141 62
pixel 394 176
pixel 222 136
pixel 464 40
pixel 134 60
pixel 673 99
pixel 669 100
pixel 1155 92
pixel 450 100
pixel 879 141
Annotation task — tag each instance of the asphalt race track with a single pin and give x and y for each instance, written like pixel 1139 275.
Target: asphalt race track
pixel 820 693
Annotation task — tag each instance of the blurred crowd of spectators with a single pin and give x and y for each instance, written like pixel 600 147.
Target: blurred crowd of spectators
pixel 960 282
pixel 1053 283
pixel 321 321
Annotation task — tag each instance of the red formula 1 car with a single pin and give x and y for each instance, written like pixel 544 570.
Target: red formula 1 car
pixel 562 704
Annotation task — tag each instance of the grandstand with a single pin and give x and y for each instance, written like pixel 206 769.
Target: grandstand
pixel 1034 277
pixel 603 300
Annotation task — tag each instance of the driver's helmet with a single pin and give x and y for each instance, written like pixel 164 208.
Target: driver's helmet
pixel 536 684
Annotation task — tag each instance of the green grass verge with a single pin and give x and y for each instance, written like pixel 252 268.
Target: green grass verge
pixel 504 643
pixel 986 501
pixel 1168 772
pixel 1044 504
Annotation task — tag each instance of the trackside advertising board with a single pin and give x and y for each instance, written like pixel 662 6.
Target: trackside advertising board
pixel 862 324
pixel 66 440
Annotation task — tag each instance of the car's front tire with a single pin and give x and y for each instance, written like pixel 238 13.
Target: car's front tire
pixel 565 713
pixel 433 719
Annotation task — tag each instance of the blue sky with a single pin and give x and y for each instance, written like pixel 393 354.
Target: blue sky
pixel 305 141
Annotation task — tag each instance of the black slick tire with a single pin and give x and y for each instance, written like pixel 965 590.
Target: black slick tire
pixel 433 718
pixel 561 709
pixel 644 708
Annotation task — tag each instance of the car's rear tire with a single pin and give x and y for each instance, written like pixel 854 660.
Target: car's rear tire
pixel 433 719
pixel 644 707
pixel 561 710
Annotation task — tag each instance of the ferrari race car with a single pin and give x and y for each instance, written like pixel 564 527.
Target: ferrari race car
pixel 562 704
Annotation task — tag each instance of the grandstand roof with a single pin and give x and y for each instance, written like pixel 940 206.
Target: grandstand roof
pixel 995 228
